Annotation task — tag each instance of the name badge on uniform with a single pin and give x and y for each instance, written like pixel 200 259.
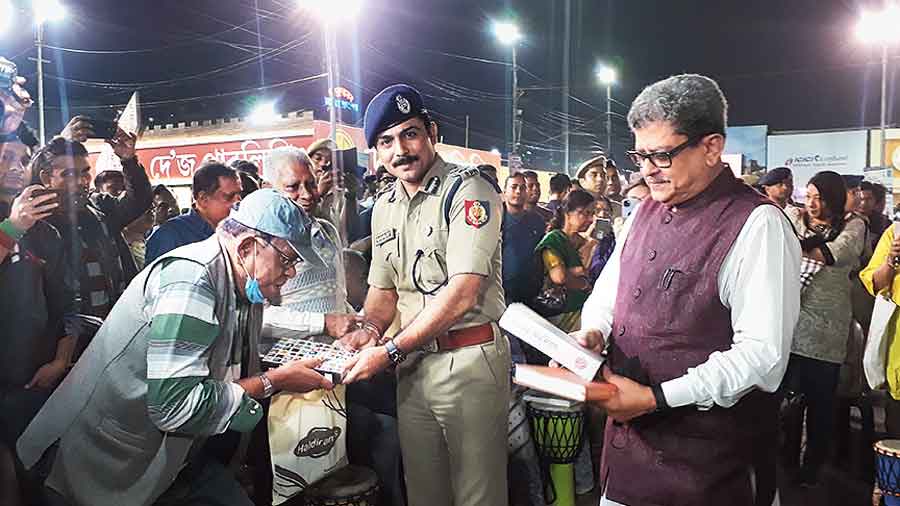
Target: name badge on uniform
pixel 385 236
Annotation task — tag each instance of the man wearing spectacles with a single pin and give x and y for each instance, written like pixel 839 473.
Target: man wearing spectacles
pixel 314 302
pixel 679 308
pixel 174 364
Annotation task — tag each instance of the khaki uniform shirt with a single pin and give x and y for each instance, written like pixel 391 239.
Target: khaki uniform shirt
pixel 412 238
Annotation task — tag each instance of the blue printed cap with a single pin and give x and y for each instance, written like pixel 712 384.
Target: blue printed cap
pixel 270 212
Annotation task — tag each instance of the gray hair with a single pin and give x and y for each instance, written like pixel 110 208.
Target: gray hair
pixel 693 104
pixel 282 156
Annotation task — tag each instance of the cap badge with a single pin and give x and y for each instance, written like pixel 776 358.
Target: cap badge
pixel 403 104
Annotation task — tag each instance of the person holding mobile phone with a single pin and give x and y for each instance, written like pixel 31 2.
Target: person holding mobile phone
pixel 34 296
pixel 91 228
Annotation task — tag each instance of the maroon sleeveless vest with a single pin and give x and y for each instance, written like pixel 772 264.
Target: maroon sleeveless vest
pixel 667 318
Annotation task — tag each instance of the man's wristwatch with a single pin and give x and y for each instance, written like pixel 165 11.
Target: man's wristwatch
pixel 268 388
pixel 394 353
pixel 661 404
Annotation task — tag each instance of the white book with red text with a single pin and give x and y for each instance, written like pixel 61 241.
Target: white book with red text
pixel 520 321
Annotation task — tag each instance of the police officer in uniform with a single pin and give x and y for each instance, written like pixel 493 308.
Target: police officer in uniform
pixel 436 262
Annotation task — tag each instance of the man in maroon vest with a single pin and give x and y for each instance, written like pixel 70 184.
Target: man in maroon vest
pixel 697 308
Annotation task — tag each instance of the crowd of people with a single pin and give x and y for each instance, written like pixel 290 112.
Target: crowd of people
pixel 130 373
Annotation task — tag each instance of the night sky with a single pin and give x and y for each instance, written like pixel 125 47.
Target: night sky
pixel 791 64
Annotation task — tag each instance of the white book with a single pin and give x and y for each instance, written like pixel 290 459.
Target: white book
pixel 562 383
pixel 530 327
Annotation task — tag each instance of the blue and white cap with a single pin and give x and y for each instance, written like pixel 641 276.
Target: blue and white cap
pixel 270 212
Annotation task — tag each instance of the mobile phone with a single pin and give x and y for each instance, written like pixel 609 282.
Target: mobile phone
pixel 39 192
pixel 628 206
pixel 602 228
pixel 104 128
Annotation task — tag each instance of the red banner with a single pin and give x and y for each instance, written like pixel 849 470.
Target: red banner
pixel 175 165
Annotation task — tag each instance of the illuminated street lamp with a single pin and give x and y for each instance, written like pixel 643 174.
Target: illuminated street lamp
pixel 263 113
pixel 44 11
pixel 508 34
pixel 329 12
pixel 607 76
pixel 881 28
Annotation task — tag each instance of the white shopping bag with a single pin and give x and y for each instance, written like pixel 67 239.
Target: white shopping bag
pixel 307 439
pixel 875 355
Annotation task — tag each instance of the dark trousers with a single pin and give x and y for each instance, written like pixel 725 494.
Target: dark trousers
pixel 817 380
pixel 18 407
pixel 205 482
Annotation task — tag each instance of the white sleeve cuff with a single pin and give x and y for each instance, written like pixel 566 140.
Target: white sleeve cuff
pixel 680 392
pixel 316 323
pixel 283 322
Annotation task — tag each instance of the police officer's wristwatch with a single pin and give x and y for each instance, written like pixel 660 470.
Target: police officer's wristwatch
pixel 394 353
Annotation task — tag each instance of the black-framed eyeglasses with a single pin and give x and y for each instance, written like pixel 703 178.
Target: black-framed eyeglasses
pixel 286 261
pixel 663 159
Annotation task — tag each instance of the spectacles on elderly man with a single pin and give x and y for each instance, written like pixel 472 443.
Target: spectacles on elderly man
pixel 663 159
pixel 286 261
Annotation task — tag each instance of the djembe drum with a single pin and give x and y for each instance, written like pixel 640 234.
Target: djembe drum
pixel 349 486
pixel 557 428
pixel 887 470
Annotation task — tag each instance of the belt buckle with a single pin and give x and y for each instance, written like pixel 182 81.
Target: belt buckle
pixel 431 347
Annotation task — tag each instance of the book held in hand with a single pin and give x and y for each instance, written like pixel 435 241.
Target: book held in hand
pixel 530 327
pixel 562 383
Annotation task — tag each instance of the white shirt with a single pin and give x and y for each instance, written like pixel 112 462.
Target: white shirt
pixel 312 292
pixel 759 281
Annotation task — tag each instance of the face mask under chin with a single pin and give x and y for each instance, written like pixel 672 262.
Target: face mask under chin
pixel 251 286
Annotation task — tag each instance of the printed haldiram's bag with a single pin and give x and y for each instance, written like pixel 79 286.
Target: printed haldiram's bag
pixel 307 439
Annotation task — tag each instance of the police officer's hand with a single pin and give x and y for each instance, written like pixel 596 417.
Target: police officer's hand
pixel 590 339
pixel 299 376
pixel 631 399
pixel 359 339
pixel 366 364
pixel 339 324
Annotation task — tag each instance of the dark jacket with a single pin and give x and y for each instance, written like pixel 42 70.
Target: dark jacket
pixel 34 299
pixel 98 226
pixel 668 318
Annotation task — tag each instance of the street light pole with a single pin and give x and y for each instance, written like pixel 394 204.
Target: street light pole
pixel 515 101
pixel 884 63
pixel 330 64
pixel 607 76
pixel 39 41
pixel 508 33
pixel 881 27
pixel 329 12
pixel 609 120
